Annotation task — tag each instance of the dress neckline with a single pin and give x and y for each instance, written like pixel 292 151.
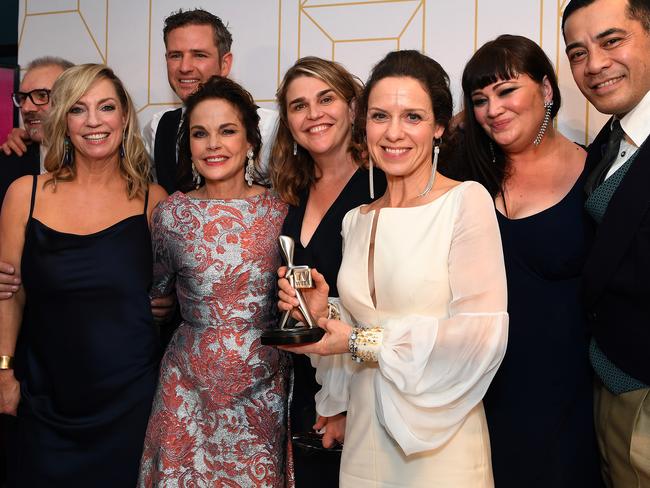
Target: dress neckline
pixel 180 194
pixel 576 185
pixel 91 234
pixel 328 212
pixel 424 205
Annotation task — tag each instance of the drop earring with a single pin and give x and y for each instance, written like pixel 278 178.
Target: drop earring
pixel 196 177
pixel 371 179
pixel 492 153
pixel 295 148
pixel 250 167
pixel 547 118
pixel 122 146
pixel 67 152
pixel 434 167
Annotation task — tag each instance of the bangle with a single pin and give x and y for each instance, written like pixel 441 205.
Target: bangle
pixel 367 342
pixel 6 362
pixel 352 344
pixel 333 311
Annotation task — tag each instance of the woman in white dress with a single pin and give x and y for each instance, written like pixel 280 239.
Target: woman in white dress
pixel 423 322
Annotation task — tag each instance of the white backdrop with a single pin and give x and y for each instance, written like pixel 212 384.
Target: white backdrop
pixel 269 35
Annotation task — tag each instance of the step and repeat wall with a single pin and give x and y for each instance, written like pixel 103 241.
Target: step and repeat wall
pixel 269 35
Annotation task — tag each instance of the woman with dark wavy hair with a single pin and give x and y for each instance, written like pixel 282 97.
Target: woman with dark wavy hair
pixel 539 406
pixel 220 413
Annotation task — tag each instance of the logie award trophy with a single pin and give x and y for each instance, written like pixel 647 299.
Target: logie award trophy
pixel 300 278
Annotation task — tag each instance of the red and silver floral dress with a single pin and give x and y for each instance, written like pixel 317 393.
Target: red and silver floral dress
pixel 219 417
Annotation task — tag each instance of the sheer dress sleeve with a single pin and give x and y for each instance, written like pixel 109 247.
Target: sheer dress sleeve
pixel 434 371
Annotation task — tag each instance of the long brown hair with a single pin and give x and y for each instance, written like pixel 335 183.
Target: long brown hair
pixel 291 173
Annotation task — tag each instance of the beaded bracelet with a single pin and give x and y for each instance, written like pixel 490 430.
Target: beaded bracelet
pixel 352 344
pixel 368 342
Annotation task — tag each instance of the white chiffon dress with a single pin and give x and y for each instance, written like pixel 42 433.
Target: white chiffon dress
pixel 415 418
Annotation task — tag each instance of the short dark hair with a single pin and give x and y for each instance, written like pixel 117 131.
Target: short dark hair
pixel 636 9
pixel 198 16
pixel 409 64
pixel 217 88
pixel 503 58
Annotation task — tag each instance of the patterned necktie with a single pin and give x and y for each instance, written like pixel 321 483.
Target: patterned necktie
pixel 597 175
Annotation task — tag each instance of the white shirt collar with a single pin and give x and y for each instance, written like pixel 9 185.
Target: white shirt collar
pixel 636 123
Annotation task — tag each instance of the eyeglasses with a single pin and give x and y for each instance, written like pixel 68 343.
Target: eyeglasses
pixel 40 96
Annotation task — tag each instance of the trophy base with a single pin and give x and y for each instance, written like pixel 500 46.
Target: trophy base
pixel 302 335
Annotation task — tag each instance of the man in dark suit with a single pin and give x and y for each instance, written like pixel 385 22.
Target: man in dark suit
pixel 608 45
pixel 197 47
pixel 33 99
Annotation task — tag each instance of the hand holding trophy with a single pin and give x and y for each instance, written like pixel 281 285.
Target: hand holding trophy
pixel 299 278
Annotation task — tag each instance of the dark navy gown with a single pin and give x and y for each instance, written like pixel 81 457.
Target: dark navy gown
pixel 539 405
pixel 86 357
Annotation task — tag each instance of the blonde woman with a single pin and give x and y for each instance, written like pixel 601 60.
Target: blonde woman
pixel 86 355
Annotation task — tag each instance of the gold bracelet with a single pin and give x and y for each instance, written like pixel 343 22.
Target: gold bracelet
pixel 6 362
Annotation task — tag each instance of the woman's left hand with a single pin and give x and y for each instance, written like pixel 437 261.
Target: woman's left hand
pixel 335 340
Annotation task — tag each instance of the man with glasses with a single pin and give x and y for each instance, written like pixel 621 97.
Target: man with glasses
pixel 33 99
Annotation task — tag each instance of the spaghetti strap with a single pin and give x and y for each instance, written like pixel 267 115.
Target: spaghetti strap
pixel 146 200
pixel 31 205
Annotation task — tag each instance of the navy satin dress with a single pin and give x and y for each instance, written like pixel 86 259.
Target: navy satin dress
pixel 539 405
pixel 86 358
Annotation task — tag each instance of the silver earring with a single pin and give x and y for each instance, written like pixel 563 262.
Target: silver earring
pixel 196 176
pixel 494 156
pixel 295 148
pixel 547 118
pixel 371 179
pixel 250 168
pixel 434 167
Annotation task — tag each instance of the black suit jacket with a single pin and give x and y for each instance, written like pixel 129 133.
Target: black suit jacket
pixel 617 270
pixel 164 155
pixel 13 167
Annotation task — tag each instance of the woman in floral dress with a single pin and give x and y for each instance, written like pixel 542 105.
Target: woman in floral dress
pixel 220 413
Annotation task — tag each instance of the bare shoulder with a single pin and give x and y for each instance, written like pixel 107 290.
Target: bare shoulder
pixel 18 196
pixel 156 195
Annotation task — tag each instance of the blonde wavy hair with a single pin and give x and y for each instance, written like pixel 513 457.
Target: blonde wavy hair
pixel 291 174
pixel 69 87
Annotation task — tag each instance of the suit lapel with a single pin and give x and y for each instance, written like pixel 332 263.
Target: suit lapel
pixel 624 214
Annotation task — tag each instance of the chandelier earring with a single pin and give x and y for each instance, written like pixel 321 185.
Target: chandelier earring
pixel 492 153
pixel 295 148
pixel 250 167
pixel 547 119
pixel 196 176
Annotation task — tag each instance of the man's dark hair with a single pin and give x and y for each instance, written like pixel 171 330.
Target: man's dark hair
pixel 636 9
pixel 182 18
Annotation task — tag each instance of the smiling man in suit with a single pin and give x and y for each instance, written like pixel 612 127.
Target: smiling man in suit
pixel 608 46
